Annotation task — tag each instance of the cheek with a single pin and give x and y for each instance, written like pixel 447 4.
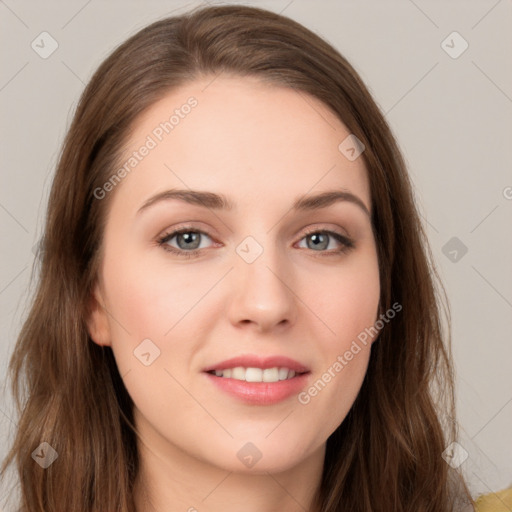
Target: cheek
pixel 150 301
pixel 145 305
pixel 349 308
pixel 327 400
pixel 331 396
pixel 348 303
pixel 160 304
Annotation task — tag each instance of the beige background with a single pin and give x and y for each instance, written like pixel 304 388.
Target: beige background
pixel 452 118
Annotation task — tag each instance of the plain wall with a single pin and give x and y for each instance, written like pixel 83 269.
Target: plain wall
pixel 451 116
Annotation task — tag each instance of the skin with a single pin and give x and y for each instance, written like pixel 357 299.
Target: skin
pixel 262 146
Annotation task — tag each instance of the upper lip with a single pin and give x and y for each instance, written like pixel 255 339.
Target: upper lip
pixel 255 361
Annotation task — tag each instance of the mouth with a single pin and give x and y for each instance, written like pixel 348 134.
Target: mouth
pixel 259 381
pixel 253 374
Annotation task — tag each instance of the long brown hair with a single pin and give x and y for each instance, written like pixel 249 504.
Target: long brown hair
pixel 386 455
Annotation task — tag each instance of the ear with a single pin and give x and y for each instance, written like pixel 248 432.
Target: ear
pixel 97 319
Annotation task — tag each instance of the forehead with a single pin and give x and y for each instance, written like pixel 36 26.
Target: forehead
pixel 254 139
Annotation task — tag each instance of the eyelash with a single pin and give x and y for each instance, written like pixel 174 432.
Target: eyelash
pixel 347 243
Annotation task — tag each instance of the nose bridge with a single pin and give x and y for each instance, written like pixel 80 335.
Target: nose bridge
pixel 264 291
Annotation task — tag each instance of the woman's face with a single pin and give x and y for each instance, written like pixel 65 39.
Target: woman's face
pixel 260 281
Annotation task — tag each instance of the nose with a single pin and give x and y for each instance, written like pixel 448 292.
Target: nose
pixel 264 297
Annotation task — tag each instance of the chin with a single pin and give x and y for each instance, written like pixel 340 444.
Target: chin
pixel 261 456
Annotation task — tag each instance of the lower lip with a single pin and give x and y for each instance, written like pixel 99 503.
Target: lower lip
pixel 260 393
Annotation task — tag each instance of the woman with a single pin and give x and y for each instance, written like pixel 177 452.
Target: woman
pixel 291 357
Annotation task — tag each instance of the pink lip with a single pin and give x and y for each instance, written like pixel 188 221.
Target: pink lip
pixel 260 393
pixel 254 361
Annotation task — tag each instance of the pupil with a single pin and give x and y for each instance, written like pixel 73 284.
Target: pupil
pixel 317 241
pixel 189 238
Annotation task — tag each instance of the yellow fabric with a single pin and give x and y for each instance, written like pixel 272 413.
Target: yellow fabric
pixel 495 502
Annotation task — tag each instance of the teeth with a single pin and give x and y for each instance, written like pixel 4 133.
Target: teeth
pixel 238 373
pixel 283 373
pixel 256 374
pixel 270 375
pixel 253 375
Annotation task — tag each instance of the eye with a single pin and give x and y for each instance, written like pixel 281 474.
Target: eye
pixel 320 241
pixel 188 241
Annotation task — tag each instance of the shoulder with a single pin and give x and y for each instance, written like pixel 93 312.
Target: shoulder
pixel 495 501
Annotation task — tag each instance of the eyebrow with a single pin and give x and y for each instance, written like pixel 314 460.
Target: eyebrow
pixel 221 202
